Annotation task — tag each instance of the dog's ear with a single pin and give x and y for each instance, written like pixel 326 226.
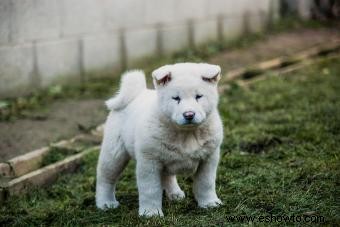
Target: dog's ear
pixel 161 76
pixel 211 73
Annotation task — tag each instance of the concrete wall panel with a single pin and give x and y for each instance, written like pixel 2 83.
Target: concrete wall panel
pixel 57 60
pixel 175 38
pixel 124 14
pixel 220 7
pixel 140 43
pixel 191 9
pixel 81 16
pixel 205 31
pixel 34 20
pixel 16 67
pixel 160 11
pixel 4 21
pixel 101 53
pixel 233 27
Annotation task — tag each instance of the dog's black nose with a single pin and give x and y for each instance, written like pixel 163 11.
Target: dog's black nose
pixel 189 115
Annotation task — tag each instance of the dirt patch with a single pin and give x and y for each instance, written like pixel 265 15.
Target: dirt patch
pixel 284 44
pixel 62 120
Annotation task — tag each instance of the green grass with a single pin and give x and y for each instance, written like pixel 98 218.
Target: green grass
pixel 280 156
pixel 60 153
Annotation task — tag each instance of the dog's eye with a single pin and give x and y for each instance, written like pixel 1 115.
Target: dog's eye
pixel 176 98
pixel 198 97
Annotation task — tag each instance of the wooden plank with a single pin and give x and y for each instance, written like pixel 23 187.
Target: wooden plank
pixel 281 61
pixel 270 64
pixel 45 175
pixel 265 65
pixel 28 162
pixel 233 74
pixel 5 170
pixel 31 161
pixel 287 70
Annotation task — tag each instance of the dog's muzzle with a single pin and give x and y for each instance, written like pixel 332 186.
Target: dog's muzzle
pixel 189 115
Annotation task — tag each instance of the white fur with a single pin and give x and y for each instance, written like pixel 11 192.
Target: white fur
pixel 133 82
pixel 149 126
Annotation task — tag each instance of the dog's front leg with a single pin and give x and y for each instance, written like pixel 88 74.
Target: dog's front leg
pixel 149 187
pixel 204 182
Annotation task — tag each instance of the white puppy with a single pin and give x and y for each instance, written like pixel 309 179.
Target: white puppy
pixel 171 130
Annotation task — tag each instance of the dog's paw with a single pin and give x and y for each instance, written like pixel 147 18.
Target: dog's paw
pixel 147 212
pixel 107 205
pixel 177 195
pixel 210 203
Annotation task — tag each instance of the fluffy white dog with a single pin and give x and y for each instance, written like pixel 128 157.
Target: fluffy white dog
pixel 173 129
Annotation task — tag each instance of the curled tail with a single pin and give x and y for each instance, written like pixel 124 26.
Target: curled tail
pixel 132 84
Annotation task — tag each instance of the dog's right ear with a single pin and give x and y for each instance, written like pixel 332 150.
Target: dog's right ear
pixel 161 76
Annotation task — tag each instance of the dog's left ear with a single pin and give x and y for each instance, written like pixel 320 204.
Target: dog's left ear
pixel 211 73
pixel 161 76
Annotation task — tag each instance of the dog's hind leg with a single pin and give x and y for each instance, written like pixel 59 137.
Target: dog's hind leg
pixel 111 164
pixel 171 187
pixel 113 159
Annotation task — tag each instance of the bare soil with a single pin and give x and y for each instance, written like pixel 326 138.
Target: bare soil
pixel 68 118
pixel 284 44
pixel 61 120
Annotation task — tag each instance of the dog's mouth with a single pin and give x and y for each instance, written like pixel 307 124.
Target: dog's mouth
pixel 188 124
pixel 186 127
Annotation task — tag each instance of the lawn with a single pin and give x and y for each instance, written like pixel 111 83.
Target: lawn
pixel 280 156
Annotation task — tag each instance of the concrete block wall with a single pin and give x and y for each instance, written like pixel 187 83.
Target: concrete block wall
pixel 51 41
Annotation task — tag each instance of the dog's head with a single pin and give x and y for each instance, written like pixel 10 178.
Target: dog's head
pixel 187 92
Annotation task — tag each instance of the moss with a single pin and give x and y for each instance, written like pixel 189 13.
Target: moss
pixel 57 154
